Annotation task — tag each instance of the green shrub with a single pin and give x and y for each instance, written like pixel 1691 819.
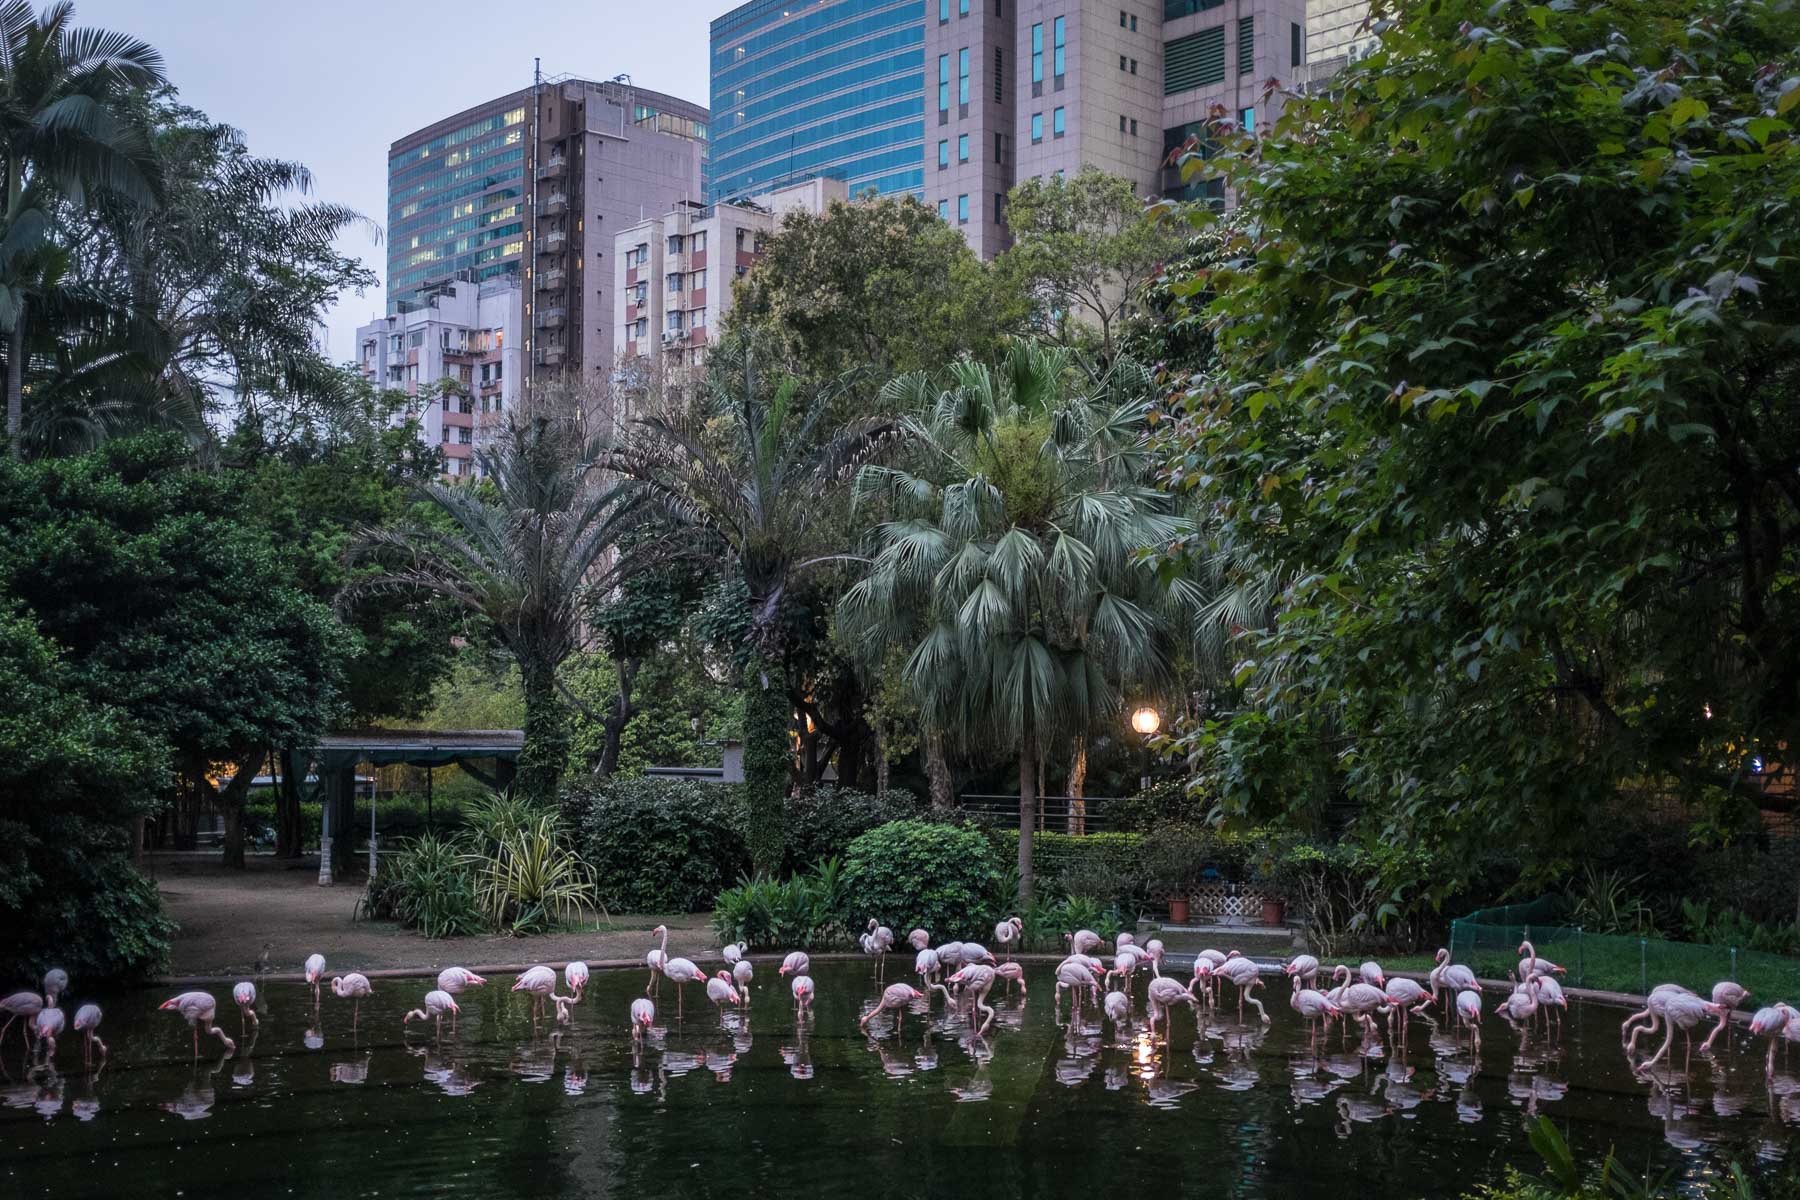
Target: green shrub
pixel 768 914
pixel 528 878
pixel 106 921
pixel 1167 801
pixel 822 821
pixel 427 886
pixel 660 845
pixel 915 873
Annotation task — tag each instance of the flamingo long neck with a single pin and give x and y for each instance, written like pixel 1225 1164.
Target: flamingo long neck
pixel 1527 951
pixel 665 941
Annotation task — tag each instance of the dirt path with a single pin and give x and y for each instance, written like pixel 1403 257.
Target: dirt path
pixel 227 918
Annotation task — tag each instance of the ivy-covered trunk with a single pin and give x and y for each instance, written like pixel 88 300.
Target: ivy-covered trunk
pixel 1028 803
pixel 546 749
pixel 1078 786
pixel 766 765
pixel 937 770
pixel 624 708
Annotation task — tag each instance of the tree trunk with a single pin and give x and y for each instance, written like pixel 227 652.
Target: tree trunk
pixel 546 750
pixel 1028 802
pixel 15 384
pixel 1078 787
pixel 290 830
pixel 231 804
pixel 881 762
pixel 623 710
pixel 937 770
pixel 768 765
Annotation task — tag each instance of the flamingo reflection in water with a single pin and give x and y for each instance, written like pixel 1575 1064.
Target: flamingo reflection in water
pixel 196 1099
pixel 352 1071
pixel 450 1075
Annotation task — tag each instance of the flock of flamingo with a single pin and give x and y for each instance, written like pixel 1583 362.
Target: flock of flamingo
pixel 964 973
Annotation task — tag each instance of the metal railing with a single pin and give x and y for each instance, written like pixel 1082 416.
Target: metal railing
pixel 1055 814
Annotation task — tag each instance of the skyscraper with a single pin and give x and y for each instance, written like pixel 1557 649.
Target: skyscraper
pixel 803 88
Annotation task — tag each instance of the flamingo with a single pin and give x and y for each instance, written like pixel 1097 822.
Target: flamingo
pixel 1082 941
pixel 454 980
pixel 244 996
pixel 802 987
pixel 1124 965
pixel 575 974
pixel 315 971
pixel 975 980
pixel 1245 975
pixel 1550 995
pixel 1685 1011
pixel 721 991
pixel 975 952
pixel 1013 973
pixel 874 947
pixel 643 1016
pixel 1772 1023
pixel 1728 994
pixel 1153 950
pixel 198 1009
pixel 1372 975
pixel 1313 1005
pixel 1203 979
pixel 1303 968
pixel 1075 974
pixel 354 985
pixel 56 982
pixel 1468 1012
pixel 49 1027
pixel 658 957
pixel 1357 999
pixel 1531 964
pixel 741 974
pixel 1406 997
pixel 795 963
pixel 1652 1015
pixel 1164 995
pixel 1451 978
pixel 681 972
pixel 1007 932
pixel 1521 1006
pixel 897 996
pixel 950 955
pixel 21 1004
pixel 731 952
pixel 1117 1007
pixel 926 965
pixel 87 1020
pixel 540 981
pixel 918 939
pixel 437 1003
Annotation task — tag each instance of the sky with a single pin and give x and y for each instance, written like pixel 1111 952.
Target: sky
pixel 331 84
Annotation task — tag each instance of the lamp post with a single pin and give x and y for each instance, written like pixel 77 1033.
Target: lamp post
pixel 1146 721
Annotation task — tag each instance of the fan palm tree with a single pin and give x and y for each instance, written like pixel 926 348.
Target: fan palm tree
pixel 1013 570
pixel 519 550
pixel 59 126
pixel 746 480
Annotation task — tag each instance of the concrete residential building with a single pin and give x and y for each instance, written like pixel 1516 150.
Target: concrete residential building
pixel 672 273
pixel 530 186
pixel 462 330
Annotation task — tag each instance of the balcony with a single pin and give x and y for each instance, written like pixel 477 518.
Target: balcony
pixel 553 167
pixel 554 242
pixel 551 280
pixel 550 356
pixel 556 204
pixel 552 318
pixel 491 387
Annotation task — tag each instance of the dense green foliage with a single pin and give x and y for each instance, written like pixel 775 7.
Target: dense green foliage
pixel 427 887
pixel 659 845
pixel 806 911
pixel 909 874
pixel 1503 376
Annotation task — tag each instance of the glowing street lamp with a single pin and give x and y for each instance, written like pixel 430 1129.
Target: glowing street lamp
pixel 1146 721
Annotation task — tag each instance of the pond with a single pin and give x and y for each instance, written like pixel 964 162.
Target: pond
pixel 750 1104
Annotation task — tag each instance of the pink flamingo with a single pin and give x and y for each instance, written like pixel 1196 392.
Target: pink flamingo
pixel 575 974
pixel 1687 1012
pixel 21 1004
pixel 975 952
pixel 681 972
pixel 1203 979
pixel 315 971
pixel 741 974
pixel 454 980
pixel 1360 1000
pixel 1075 974
pixel 1124 966
pixel 876 943
pixel 918 939
pixel 802 987
pixel 244 996
pixel 897 996
pixel 658 957
pixel 1772 1023
pixel 795 963
pixel 1314 1006
pixel 1550 995
pixel 56 982
pixel 1468 1012
pixel 1245 975
pixel 355 985
pixel 1013 973
pixel 733 952
pixel 721 991
pixel 87 1020
pixel 198 1009
pixel 926 966
pixel 977 979
pixel 1082 941
pixel 1530 964
pixel 1372 975
pixel 1452 978
pixel 1153 950
pixel 1727 994
pixel 540 981
pixel 1652 1015
pixel 1521 1006
pixel 437 1003
pixel 643 1016
pixel 1164 994
pixel 1007 932
pixel 1117 1007
pixel 950 955
pixel 48 1028
pixel 1405 997
pixel 1303 968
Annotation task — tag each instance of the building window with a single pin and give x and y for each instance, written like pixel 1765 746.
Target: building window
pixel 944 210
pixel 642 330
pixel 1296 44
pixel 697 241
pixel 1248 117
pixel 962 75
pixel 1037 54
pixel 463 435
pixel 962 209
pixel 1121 18
pixel 675 281
pixel 1134 22
pixel 999 208
pixel 1246 45
pixel 962 148
pixel 1058 42
pixel 1194 61
pixel 1134 127
pixel 1056 122
pixel 675 243
pixel 943 83
pixel 999 75
pixel 943 11
pixel 1121 122
pixel 943 154
pixel 1037 128
pixel 1000 148
pixel 1134 66
pixel 962 7
pixel 699 319
pixel 1187 8
pixel 1121 62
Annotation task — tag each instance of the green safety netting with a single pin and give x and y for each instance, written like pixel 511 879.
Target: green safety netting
pixel 1487 941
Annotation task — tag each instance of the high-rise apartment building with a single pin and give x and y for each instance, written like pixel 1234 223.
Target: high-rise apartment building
pixel 1010 89
pixel 673 272
pixel 805 88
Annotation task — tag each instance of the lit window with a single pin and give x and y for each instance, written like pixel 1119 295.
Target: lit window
pixel 962 75
pixel 1059 42
pixel 1248 116
pixel 1037 127
pixel 1037 54
pixel 943 154
pixel 962 210
pixel 943 83
pixel 1056 122
pixel 962 7
pixel 943 11
pixel 943 210
pixel 962 148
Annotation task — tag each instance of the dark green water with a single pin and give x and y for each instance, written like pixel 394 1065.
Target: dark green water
pixel 756 1107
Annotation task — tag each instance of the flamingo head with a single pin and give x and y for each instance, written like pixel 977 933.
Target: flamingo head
pixel 166 1005
pixel 472 978
pixel 660 929
pixel 1443 955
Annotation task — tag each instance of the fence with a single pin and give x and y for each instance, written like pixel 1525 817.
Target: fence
pixel 1056 814
pixel 1487 941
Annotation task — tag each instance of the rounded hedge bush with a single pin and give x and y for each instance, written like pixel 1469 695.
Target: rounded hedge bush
pixel 909 874
pixel 822 821
pixel 660 845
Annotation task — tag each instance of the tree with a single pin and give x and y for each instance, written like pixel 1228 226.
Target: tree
pixel 635 620
pixel 170 605
pixel 879 283
pixel 61 88
pixel 1085 247
pixel 1013 568
pixel 746 479
pixel 1504 383
pixel 518 551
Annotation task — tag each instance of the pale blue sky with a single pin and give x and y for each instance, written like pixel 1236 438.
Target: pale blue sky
pixel 332 83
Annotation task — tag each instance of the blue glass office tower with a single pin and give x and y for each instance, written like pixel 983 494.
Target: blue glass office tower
pixel 818 87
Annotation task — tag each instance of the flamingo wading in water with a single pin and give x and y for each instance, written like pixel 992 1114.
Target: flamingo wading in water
pixel 87 1020
pixel 198 1009
pixel 244 996
pixel 454 980
pixel 540 981
pixel 355 985
pixel 896 996
pixel 437 1003
pixel 315 971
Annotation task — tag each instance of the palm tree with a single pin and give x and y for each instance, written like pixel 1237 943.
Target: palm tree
pixel 1013 570
pixel 59 126
pixel 747 480
pixel 520 549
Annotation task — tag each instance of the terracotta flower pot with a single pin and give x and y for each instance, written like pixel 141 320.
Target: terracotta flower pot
pixel 1273 910
pixel 1178 910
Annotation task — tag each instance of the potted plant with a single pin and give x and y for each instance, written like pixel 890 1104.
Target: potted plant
pixel 1175 857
